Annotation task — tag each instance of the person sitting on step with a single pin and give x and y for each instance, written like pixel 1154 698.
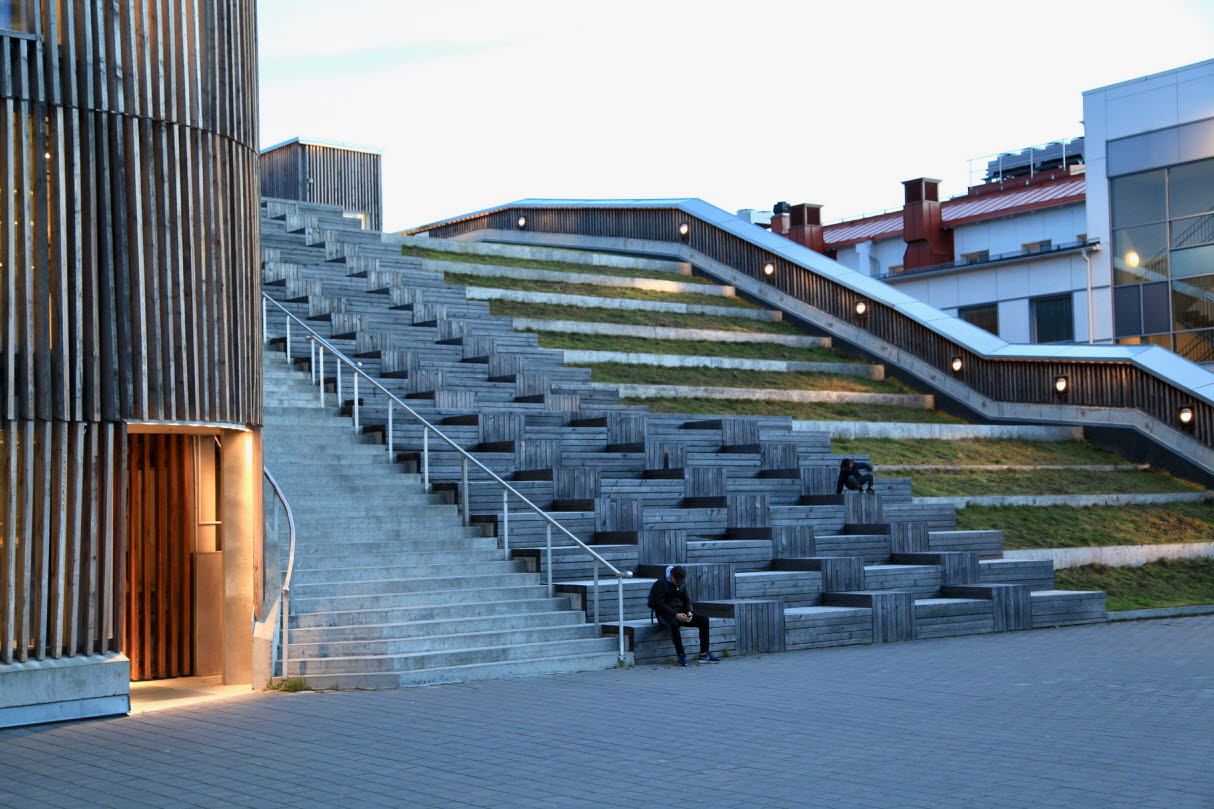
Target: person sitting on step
pixel 669 600
pixel 854 476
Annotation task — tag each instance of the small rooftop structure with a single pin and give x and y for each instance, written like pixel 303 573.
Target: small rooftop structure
pixel 329 172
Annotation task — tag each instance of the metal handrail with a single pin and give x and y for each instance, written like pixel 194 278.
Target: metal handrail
pixel 285 590
pixel 318 345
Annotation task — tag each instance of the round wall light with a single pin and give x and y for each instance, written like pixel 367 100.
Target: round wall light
pixel 684 229
pixel 1185 415
pixel 522 222
pixel 861 308
pixel 769 268
pixel 1060 384
pixel 957 365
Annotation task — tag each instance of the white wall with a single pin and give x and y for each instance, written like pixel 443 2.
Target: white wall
pixel 1010 234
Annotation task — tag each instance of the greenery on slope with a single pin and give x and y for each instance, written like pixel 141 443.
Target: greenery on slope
pixel 1167 583
pixel 1071 527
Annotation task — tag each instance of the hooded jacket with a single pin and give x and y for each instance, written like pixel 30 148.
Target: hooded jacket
pixel 667 599
pixel 858 470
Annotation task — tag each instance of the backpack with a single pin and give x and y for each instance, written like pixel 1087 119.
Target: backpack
pixel 653 598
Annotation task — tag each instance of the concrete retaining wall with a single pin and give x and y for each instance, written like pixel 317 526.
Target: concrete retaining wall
pixel 1115 555
pixel 630 304
pixel 1162 612
pixel 944 432
pixel 33 692
pixel 541 253
pixel 764 394
pixel 667 333
pixel 580 357
pixel 1076 500
pixel 555 276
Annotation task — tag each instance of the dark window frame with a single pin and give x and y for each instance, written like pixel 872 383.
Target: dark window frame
pixel 1035 303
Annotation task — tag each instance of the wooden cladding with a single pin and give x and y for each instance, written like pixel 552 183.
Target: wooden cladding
pixel 161 527
pixel 62 502
pixel 1094 384
pixel 331 175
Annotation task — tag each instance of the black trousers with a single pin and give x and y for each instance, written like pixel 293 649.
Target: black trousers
pixel 699 622
pixel 858 482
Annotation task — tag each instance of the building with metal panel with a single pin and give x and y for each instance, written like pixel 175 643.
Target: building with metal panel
pixel 130 363
pixel 329 173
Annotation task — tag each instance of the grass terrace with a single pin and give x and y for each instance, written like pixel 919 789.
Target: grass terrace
pixel 1167 583
pixel 976 452
pixel 740 378
pixel 1043 481
pixel 794 410
pixel 545 311
pixel 1071 527
pixel 690 348
pixel 594 291
pixel 541 264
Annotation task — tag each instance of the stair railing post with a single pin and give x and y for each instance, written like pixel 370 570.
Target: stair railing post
pixel 597 622
pixel 312 359
pixel 286 613
pixel 320 373
pixel 548 559
pixel 506 525
pixel 288 344
pixel 265 326
pixel 355 375
pixel 390 409
pixel 426 458
pixel 463 494
pixel 619 583
pixel 337 370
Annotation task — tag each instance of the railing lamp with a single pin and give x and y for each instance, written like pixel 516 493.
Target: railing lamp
pixel 1186 416
pixel 861 308
pixel 957 364
pixel 522 223
pixel 769 268
pixel 1060 385
pixel 684 229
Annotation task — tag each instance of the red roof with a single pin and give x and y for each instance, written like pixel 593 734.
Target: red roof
pixel 976 206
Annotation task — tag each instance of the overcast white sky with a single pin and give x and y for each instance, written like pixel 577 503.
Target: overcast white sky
pixel 480 102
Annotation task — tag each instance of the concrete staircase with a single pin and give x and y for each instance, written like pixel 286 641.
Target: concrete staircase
pixel 390 589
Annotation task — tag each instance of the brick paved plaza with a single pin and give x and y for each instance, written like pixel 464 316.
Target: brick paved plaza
pixel 1101 716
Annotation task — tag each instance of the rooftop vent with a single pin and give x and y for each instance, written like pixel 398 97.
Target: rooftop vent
pixel 1035 160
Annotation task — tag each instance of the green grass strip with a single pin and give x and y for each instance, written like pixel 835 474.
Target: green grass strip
pixel 1070 527
pixel 690 348
pixel 595 291
pixel 977 451
pixel 673 320
pixel 739 378
pixel 1166 583
pixel 1042 481
pixel 795 410
pixel 542 264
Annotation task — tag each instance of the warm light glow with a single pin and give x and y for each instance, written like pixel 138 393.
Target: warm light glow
pixel 957 365
pixel 769 268
pixel 1132 259
pixel 47 155
pixel 1186 415
pixel 1060 384
pixel 684 228
pixel 861 307
pixel 522 222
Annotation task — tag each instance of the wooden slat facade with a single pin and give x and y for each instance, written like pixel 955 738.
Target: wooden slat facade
pixel 327 174
pixel 1094 384
pixel 129 247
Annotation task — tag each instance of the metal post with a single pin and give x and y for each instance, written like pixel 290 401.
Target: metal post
pixel 619 583
pixel 288 346
pixel 597 622
pixel 265 326
pixel 506 525
pixel 548 560
pixel 426 458
pixel 337 370
pixel 320 376
pixel 286 611
pixel 355 375
pixel 312 359
pixel 463 494
pixel 390 455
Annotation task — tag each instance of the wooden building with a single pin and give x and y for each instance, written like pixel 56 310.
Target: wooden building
pixel 330 173
pixel 130 390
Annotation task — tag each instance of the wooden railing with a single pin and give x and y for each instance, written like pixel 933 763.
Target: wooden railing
pixel 1153 381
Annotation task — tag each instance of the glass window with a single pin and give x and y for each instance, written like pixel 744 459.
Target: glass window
pixel 984 316
pixel 1193 303
pixel 1127 311
pixel 14 15
pixel 1053 320
pixel 1138 199
pixel 1155 315
pixel 1197 346
pixel 1193 261
pixel 1192 231
pixel 1191 189
pixel 1140 254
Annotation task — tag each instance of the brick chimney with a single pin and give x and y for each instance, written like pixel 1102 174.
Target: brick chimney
pixel 779 224
pixel 927 242
pixel 806 226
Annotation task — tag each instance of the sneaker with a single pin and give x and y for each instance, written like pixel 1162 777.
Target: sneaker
pixel 709 658
pixel 682 660
pixel 872 491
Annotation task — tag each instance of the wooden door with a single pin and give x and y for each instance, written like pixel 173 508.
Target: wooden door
pixel 159 560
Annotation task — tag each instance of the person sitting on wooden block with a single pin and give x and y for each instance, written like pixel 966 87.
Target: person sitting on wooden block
pixel 669 600
pixel 854 476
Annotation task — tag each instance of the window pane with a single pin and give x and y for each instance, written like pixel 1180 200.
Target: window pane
pixel 1197 346
pixel 1191 231
pixel 1193 303
pixel 985 316
pixel 1155 315
pixel 1191 189
pixel 1140 254
pixel 1138 199
pixel 1053 321
pixel 1193 261
pixel 1127 311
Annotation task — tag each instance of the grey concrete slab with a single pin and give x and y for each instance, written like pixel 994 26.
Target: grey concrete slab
pixel 1099 716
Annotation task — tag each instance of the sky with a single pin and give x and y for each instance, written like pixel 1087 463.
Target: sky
pixel 477 103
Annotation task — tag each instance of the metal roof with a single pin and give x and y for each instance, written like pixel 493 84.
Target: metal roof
pixel 331 144
pixel 1159 362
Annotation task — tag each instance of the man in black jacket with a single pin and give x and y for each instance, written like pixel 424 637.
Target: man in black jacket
pixel 854 476
pixel 669 600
